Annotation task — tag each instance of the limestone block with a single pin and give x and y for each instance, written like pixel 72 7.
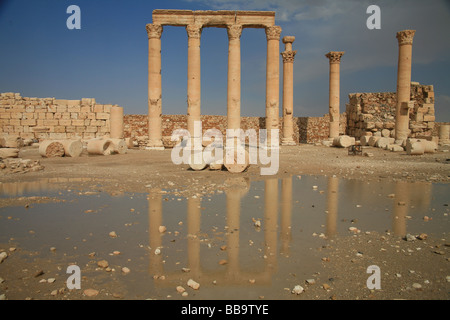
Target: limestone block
pixel 429 146
pixel 343 141
pixel 385 133
pixel 9 153
pixel 429 118
pixel 50 149
pixel 364 140
pixel 120 146
pixel 102 116
pixel 373 140
pixel 383 142
pixel 98 108
pixel 196 161
pixel 235 166
pixel 100 147
pixel 395 148
pixel 11 141
pixel 72 148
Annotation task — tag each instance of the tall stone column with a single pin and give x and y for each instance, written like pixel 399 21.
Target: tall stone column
pixel 288 91
pixel 273 79
pixel 334 91
pixel 405 40
pixel 234 76
pixel 154 32
pixel 194 32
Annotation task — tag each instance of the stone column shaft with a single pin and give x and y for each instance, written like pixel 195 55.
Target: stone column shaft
pixel 154 32
pixel 234 77
pixel 273 79
pixel 334 91
pixel 194 79
pixel 288 91
pixel 405 40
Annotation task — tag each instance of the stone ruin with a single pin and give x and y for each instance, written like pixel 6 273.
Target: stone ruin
pixel 374 113
pixel 66 127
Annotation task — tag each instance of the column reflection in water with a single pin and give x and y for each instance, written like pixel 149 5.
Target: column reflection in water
pixel 193 245
pixel 286 214
pixel 332 206
pixel 270 222
pixel 237 188
pixel 155 220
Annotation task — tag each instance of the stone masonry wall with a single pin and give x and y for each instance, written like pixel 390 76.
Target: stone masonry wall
pixel 306 129
pixel 50 118
pixel 370 113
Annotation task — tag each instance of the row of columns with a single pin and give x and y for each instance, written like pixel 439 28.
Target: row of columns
pixel 273 33
pixel 154 32
pixel 405 40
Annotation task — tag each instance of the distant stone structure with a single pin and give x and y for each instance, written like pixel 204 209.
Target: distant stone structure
pixel 50 118
pixel 375 113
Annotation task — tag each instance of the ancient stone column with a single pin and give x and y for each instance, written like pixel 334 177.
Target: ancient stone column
pixel 272 79
pixel 288 91
pixel 194 32
pixel 234 76
pixel 154 32
pixel 335 60
pixel 116 122
pixel 405 40
pixel 444 131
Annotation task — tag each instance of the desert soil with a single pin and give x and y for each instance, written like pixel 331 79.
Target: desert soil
pixel 139 170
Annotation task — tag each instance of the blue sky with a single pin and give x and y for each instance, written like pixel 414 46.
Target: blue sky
pixel 107 58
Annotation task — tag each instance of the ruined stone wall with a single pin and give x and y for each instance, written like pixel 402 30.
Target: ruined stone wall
pixel 50 118
pixel 306 129
pixel 370 113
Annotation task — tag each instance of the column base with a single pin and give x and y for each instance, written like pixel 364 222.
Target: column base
pixel 287 142
pixel 155 145
pixel 154 148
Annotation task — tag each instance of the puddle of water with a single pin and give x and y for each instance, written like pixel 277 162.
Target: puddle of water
pixel 216 236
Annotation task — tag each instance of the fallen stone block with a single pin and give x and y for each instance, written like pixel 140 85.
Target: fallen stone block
pixel 344 141
pixel 415 148
pixel 72 148
pixel 395 148
pixel 51 149
pixel 103 147
pixel 9 153
pixel 119 146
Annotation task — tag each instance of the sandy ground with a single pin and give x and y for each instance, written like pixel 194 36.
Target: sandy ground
pixel 340 257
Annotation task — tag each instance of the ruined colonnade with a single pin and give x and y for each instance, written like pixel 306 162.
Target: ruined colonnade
pixel 194 22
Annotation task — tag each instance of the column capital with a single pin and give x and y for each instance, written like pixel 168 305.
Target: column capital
pixel 288 39
pixel 234 31
pixel 335 56
pixel 405 37
pixel 288 56
pixel 273 32
pixel 194 30
pixel 154 31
